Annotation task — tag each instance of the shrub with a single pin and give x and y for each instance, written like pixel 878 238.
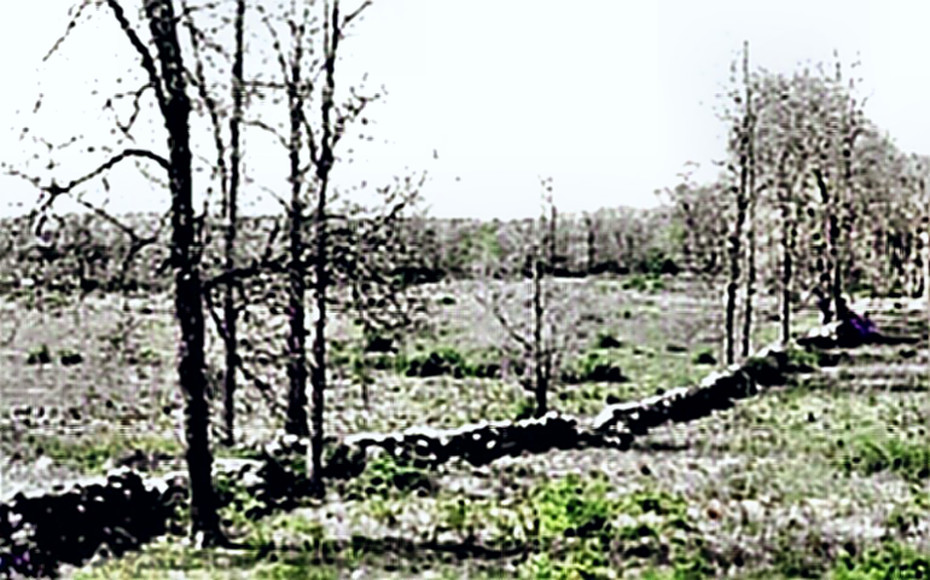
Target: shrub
pixel 868 454
pixel 597 365
pixel 705 357
pixel 802 361
pixel 70 357
pixel 607 340
pixel 583 531
pixel 636 282
pixel 570 504
pixel 387 476
pixel 525 408
pixel 449 361
pixel 890 560
pixel 40 355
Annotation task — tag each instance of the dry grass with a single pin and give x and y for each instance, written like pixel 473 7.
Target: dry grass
pixel 770 486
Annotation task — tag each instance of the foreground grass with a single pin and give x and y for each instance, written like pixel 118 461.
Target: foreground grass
pixel 820 479
pixel 763 490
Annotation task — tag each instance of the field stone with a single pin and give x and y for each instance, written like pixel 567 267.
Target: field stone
pixel 705 358
pixel 71 359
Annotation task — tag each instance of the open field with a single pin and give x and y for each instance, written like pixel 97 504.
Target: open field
pixel 793 483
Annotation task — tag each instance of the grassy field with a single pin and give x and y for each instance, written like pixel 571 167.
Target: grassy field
pixel 824 477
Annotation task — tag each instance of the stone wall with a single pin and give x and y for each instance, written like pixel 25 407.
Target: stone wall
pixel 122 511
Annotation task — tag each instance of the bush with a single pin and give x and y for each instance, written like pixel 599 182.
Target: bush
pixel 584 532
pixel 705 357
pixel 607 340
pixel 568 504
pixel 868 454
pixel 40 355
pixel 656 263
pixel 386 476
pixel 596 366
pixel 449 361
pixel 802 361
pixel 644 283
pixel 70 357
pixel 890 560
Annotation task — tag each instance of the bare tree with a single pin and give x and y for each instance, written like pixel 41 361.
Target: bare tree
pixel 228 172
pixel 741 137
pixel 535 343
pixel 167 78
pixel 316 124
pixel 230 311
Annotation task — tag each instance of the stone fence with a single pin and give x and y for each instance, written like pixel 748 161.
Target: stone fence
pixel 121 511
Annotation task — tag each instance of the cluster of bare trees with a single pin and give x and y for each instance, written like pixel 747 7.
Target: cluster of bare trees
pixel 198 82
pixel 809 179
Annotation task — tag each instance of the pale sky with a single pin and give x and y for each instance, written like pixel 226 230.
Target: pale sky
pixel 608 97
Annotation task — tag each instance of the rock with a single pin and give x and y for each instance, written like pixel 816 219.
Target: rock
pixel 71 359
pixel 705 358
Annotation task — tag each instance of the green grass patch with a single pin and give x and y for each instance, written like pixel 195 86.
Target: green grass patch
pixel 597 365
pixel 447 360
pixel 387 477
pixel 171 559
pixel 870 453
pixel 91 453
pixel 584 531
pixel 643 283
pixel 890 560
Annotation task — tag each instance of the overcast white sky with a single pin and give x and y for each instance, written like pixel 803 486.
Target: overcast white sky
pixel 609 97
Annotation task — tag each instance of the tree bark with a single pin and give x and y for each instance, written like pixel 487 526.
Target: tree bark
pixel 826 261
pixel 296 422
pixel 743 137
pixel 176 109
pixel 323 166
pixel 751 234
pixel 230 312
pixel 542 380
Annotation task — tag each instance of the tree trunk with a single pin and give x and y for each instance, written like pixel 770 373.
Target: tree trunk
pixel 827 252
pixel 542 380
pixel 751 273
pixel 743 137
pixel 318 376
pixel 296 422
pixel 591 243
pixel 188 307
pixel 323 166
pixel 786 271
pixel 230 312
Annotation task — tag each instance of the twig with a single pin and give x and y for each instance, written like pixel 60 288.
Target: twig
pixel 148 63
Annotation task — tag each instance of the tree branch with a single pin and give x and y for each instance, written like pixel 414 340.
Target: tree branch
pixel 56 190
pixel 137 96
pixel 148 63
pixel 71 25
pixel 267 128
pixel 353 15
pixel 198 78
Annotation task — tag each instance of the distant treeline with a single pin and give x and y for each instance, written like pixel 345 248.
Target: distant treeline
pixel 88 253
